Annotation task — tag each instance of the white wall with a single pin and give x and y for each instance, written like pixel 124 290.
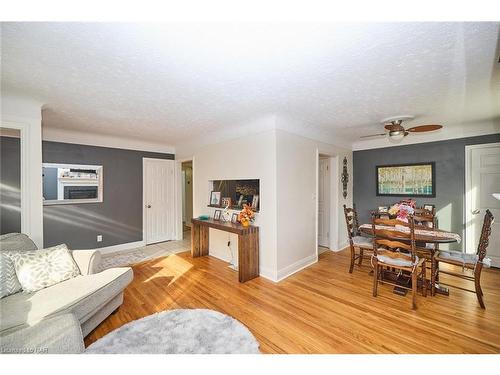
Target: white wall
pixel 286 164
pixel 251 157
pixel 297 184
pixel 26 115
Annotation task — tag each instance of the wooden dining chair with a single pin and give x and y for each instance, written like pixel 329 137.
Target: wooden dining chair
pixel 426 219
pixel 400 254
pixel 356 240
pixel 469 262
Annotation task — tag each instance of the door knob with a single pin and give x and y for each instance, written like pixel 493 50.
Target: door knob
pixel 476 211
pixel 148 206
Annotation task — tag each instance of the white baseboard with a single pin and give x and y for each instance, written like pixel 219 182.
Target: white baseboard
pixel 121 247
pixel 267 273
pixel 297 266
pixel 341 247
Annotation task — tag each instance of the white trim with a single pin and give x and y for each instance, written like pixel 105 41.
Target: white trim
pixel 267 273
pixel 103 140
pixel 25 193
pixel 469 243
pixel 297 266
pixel 121 247
pixel 316 229
pixel 341 247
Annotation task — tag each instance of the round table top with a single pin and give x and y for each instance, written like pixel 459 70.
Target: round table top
pixel 441 238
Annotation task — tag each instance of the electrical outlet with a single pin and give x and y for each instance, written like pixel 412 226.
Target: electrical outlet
pixel 99 238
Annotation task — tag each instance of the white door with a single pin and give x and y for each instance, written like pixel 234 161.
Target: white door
pixel 483 173
pixel 324 203
pixel 159 208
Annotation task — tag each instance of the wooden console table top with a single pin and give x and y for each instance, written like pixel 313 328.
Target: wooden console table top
pixel 226 226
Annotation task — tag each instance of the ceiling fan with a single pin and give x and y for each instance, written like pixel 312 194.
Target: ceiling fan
pixel 397 132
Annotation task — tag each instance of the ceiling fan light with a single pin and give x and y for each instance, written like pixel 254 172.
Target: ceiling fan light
pixel 396 136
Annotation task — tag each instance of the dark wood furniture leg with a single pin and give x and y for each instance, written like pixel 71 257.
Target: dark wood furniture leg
pixel 199 240
pixel 248 255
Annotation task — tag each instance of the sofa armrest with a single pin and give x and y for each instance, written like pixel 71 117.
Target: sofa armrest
pixel 87 260
pixel 60 334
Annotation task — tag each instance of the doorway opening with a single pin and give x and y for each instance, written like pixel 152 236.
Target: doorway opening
pixel 482 191
pixel 187 197
pixel 327 203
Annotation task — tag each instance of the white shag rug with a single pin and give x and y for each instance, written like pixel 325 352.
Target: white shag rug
pixel 183 331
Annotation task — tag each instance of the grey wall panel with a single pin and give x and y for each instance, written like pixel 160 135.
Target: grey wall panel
pixel 49 183
pixel 450 177
pixel 10 185
pixel 118 218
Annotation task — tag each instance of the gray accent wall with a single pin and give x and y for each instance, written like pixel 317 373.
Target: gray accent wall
pixel 449 157
pixel 118 217
pixel 10 185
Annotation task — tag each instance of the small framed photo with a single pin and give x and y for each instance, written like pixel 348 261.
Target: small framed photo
pixel 255 202
pixel 217 214
pixel 240 200
pixel 234 218
pixel 383 209
pixel 226 202
pixel 429 207
pixel 215 198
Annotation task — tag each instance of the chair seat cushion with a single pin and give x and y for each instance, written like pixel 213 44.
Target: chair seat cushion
pixel 364 242
pixel 457 257
pixel 395 258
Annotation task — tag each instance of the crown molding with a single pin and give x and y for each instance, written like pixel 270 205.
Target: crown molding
pixel 100 140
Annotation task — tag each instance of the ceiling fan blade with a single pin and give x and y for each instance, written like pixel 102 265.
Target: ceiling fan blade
pixel 373 135
pixel 393 127
pixel 424 128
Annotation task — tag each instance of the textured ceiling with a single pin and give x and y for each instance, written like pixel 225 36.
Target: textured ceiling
pixel 176 82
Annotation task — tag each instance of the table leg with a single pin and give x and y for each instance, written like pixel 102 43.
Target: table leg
pixel 248 256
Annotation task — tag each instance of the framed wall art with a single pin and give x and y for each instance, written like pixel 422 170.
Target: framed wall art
pixel 406 180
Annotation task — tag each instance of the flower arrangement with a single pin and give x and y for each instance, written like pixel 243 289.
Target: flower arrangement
pixel 403 209
pixel 246 215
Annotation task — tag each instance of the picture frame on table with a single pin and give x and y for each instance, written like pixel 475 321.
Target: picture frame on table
pixel 226 202
pixel 217 214
pixel 383 209
pixel 255 201
pixel 234 218
pixel 429 207
pixel 215 198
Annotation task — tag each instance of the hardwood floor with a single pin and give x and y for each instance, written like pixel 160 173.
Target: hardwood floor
pixel 322 309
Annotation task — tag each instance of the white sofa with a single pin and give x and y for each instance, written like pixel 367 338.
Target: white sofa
pixel 91 297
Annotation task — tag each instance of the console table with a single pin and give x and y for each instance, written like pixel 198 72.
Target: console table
pixel 248 244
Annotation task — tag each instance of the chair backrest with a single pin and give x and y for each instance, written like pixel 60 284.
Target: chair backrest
pixel 351 220
pixel 425 217
pixel 485 234
pixel 385 237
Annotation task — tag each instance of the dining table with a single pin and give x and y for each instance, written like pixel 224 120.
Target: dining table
pixel 423 237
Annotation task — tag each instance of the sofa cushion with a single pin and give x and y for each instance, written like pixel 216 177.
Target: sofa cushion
pixel 16 242
pixel 9 283
pixel 43 268
pixel 81 295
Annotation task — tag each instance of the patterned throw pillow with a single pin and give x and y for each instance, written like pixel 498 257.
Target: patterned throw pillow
pixel 43 268
pixel 9 284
